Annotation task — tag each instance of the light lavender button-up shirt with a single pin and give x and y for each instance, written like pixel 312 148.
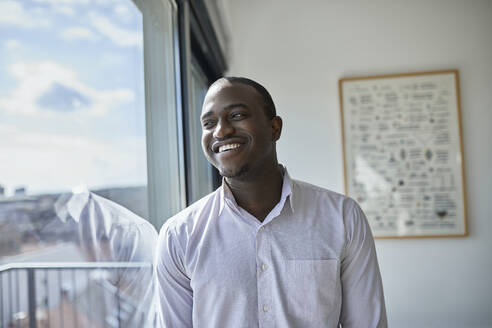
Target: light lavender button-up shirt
pixel 311 263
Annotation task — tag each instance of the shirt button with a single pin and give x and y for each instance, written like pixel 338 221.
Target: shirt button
pixel 265 308
pixel 261 228
pixel 264 267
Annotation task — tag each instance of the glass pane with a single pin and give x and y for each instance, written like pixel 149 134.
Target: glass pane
pixel 73 129
pixel 72 112
pixel 200 169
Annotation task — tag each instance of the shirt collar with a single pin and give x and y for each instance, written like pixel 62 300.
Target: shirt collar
pixel 225 193
pixel 289 188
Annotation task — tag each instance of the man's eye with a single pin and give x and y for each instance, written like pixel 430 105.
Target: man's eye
pixel 237 115
pixel 208 124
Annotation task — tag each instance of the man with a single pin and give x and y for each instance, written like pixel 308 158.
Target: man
pixel 264 250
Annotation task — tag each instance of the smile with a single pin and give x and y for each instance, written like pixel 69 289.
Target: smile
pixel 229 147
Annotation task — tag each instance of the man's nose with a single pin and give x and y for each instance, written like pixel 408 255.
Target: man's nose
pixel 223 129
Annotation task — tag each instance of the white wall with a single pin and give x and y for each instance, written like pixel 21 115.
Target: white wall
pixel 299 50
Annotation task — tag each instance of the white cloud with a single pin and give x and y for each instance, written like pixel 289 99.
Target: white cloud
pixel 64 7
pixel 12 13
pixel 37 79
pixel 12 44
pixel 113 59
pixel 49 161
pixel 64 10
pixel 105 2
pixel 120 36
pixel 78 33
pixel 123 12
pixel 61 2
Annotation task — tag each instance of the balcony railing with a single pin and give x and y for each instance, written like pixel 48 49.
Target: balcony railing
pixel 86 294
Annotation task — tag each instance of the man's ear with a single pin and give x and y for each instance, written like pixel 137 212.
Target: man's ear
pixel 276 124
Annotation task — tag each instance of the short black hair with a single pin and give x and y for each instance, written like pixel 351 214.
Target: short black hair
pixel 270 110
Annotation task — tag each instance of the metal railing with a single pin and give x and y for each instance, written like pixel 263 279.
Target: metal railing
pixel 86 294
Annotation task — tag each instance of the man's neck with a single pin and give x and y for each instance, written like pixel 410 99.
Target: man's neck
pixel 258 195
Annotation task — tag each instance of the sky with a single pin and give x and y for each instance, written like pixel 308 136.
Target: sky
pixel 72 111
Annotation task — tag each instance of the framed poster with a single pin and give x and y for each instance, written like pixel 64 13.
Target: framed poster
pixel 403 153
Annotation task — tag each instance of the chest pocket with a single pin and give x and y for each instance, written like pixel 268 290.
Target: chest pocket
pixel 312 291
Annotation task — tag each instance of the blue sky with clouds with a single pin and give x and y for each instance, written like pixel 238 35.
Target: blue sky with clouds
pixel 71 94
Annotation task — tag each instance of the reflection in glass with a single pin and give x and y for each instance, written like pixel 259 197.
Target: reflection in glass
pixel 90 262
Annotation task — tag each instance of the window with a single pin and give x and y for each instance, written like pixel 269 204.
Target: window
pixel 72 107
pixel 199 170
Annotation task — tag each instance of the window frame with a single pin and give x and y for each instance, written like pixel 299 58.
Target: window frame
pixel 197 39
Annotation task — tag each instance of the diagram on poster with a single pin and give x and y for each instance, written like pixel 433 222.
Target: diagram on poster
pixel 403 152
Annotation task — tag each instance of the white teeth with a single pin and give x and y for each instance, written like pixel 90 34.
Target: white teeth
pixel 229 146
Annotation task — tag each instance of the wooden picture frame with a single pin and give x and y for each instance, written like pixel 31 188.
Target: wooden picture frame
pixel 403 153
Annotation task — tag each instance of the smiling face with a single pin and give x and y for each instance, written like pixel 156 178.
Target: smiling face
pixel 238 138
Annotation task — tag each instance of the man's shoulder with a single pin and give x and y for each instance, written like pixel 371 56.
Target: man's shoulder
pixel 314 192
pixel 188 217
pixel 340 208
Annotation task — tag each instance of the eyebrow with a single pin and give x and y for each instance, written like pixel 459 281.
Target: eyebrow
pixel 228 107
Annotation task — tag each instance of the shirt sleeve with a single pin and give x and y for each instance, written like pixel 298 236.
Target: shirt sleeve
pixel 362 289
pixel 175 296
